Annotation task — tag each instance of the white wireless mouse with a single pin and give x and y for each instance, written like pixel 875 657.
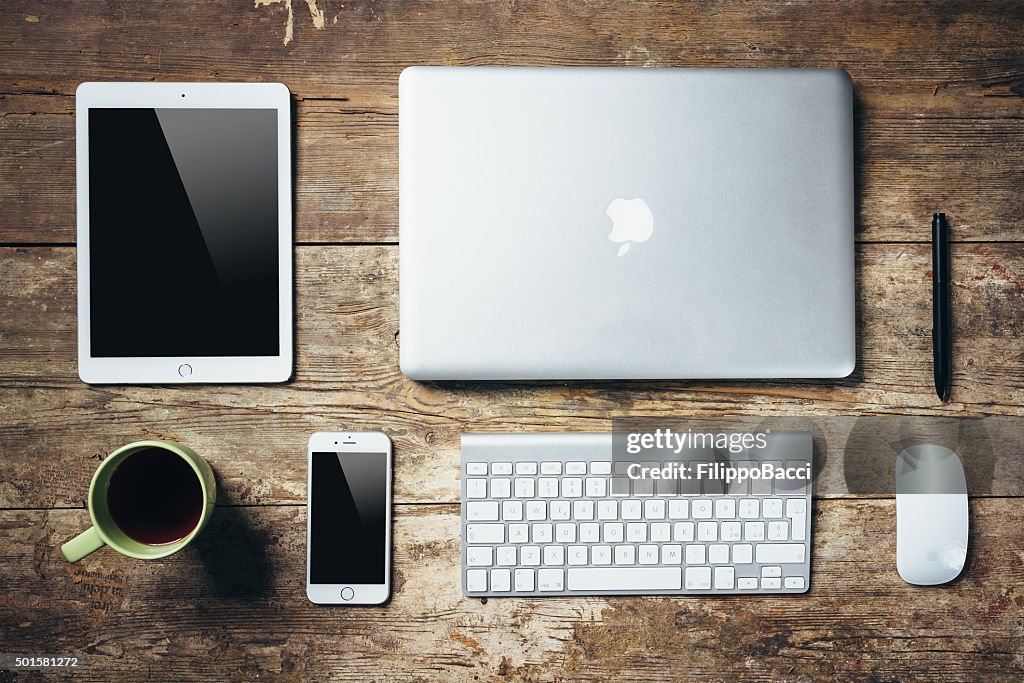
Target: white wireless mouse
pixel 931 515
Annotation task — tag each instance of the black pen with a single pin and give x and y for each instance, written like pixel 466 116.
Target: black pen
pixel 942 323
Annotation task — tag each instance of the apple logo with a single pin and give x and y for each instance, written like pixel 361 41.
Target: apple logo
pixel 632 221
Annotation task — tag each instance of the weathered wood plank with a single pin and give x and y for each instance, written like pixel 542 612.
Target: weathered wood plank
pixel 346 182
pixel 233 608
pixel 968 48
pixel 940 91
pixel 348 378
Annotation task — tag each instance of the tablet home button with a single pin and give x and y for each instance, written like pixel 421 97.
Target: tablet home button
pixel 347 593
pixel 185 370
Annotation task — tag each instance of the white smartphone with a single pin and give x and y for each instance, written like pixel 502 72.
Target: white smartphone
pixel 348 518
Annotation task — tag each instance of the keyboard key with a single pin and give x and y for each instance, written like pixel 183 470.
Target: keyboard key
pixel 625 554
pixel 771 583
pixel 577 554
pixel 596 487
pixel 547 487
pixel 763 487
pixel 647 554
pixel 682 531
pixel 482 511
pixel 753 531
pixel 549 580
pixel 476 488
pixel 771 508
pixel 666 487
pixel 501 488
pixel 746 584
pixel 724 578
pixel 671 554
pixel 689 487
pixel 620 486
pixel 796 510
pixel 536 510
pixel 559 510
pixel 742 553
pixel 654 509
pixel 742 488
pixel 698 578
pixel 718 553
pixel 479 556
pixel 554 554
pixel 643 487
pixel 476 580
pixel 799 528
pixel 631 509
pixel 701 509
pixel 771 572
pixel 526 468
pixel 725 508
pixel 780 553
pixel 750 508
pixel 512 510
pixel 551 468
pixel 600 467
pixel 501 468
pixel 583 509
pixel 485 533
pixel 476 469
pixel 518 533
pixel 707 531
pixel 542 533
pixel 678 509
pixel 565 533
pixel 794 582
pixel 524 580
pixel 695 554
pixel 524 488
pixel 575 467
pixel 796 486
pixel 607 509
pixel 529 555
pixel 623 578
pixel 506 556
pixel 572 487
pixel 731 531
pixel 613 532
pixel 636 532
pixel 601 554
pixel 590 532
pixel 661 532
pixel 778 531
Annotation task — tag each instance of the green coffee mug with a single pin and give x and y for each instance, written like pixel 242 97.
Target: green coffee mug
pixel 153 509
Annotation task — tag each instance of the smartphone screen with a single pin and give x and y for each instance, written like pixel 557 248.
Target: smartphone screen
pixel 348 518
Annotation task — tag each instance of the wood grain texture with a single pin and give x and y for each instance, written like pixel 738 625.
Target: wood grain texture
pixel 233 608
pixel 347 377
pixel 939 89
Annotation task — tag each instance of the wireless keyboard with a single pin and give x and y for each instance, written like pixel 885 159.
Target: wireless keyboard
pixel 551 514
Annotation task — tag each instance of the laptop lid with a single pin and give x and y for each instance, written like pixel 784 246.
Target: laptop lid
pixel 618 223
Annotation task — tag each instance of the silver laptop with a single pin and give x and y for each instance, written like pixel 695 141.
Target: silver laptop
pixel 610 223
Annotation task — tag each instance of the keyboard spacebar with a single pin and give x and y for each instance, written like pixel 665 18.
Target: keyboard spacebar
pixel 624 578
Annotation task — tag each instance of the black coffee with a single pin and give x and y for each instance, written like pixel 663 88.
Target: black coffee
pixel 155 497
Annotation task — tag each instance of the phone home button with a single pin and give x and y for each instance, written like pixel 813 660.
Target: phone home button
pixel 185 370
pixel 347 593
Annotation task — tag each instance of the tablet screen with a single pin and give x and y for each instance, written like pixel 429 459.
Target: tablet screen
pixel 183 232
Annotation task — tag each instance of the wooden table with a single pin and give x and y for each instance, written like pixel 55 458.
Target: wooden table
pixel 939 126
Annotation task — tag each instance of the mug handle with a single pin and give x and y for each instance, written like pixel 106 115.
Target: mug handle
pixel 81 545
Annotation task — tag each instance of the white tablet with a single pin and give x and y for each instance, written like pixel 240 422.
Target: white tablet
pixel 184 232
